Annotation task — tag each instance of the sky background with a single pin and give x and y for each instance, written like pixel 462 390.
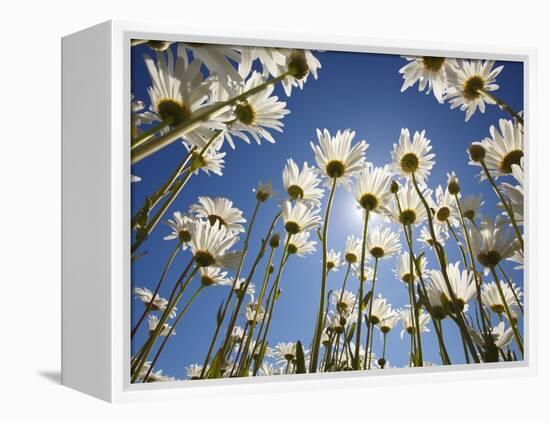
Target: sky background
pixel 355 90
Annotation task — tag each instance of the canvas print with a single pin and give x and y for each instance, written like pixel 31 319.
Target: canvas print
pixel 300 212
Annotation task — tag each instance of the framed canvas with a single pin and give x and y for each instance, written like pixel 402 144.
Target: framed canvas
pixel 268 212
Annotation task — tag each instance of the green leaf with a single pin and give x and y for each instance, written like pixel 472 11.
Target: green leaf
pixel 351 331
pixel 366 300
pixel 300 359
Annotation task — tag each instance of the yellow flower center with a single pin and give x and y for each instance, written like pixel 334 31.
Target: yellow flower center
pixel 245 113
pixel 295 192
pixel 433 64
pixel 335 169
pixel 512 158
pixel 368 202
pixel 473 86
pixel 409 162
pixel 170 108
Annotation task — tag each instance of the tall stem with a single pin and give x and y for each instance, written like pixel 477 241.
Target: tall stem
pixel 148 134
pixel 505 204
pixel 484 319
pixel 274 298
pixel 319 324
pixel 230 296
pixel 509 283
pixel 508 312
pixel 440 253
pixel 153 337
pixel 157 289
pixel 245 362
pixel 171 331
pixel 370 326
pixel 359 297
pixel 503 106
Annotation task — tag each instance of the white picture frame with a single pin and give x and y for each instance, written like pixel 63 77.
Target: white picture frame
pixel 95 226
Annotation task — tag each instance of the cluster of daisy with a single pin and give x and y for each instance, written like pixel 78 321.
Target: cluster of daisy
pixel 235 102
pixel 466 84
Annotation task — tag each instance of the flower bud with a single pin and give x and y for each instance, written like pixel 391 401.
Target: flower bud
pixel 275 241
pixel 453 187
pixel 394 187
pixel 477 152
pixel 297 64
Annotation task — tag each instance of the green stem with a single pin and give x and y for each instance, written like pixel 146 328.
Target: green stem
pixel 484 319
pixel 509 283
pixel 153 337
pixel 245 361
pixel 508 312
pixel 503 106
pixel 147 135
pixel 319 324
pixel 275 287
pixel 370 326
pixel 172 329
pixel 505 204
pixel 356 357
pixel 157 289
pixel 453 233
pixel 440 253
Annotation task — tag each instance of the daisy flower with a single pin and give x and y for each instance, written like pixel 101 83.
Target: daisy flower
pixel 491 298
pixel 388 323
pixel 502 337
pixel 426 236
pixel 302 184
pixel 492 242
pixel 414 156
pixel 344 301
pixel 429 72
pixel 250 313
pixel 210 245
pixel 271 59
pixel 334 262
pixel 301 245
pixel 368 272
pixel 154 322
pixel 514 194
pixel 284 352
pixel 300 63
pixel 503 149
pixel 371 189
pixel 239 286
pixel 264 191
pixel 219 210
pixel 336 158
pixel 410 210
pixel 407 319
pixel 213 276
pixel 178 91
pixel 462 284
pixel 380 310
pixel 471 205
pixel 299 217
pixel 217 59
pixel 403 268
pixel 517 258
pixel 444 207
pixel 467 83
pixel 194 371
pixel 159 304
pixel 352 249
pixel 250 117
pixel 212 160
pixel 383 242
pixel 182 225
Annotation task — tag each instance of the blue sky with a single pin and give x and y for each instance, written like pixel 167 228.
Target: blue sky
pixel 355 90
